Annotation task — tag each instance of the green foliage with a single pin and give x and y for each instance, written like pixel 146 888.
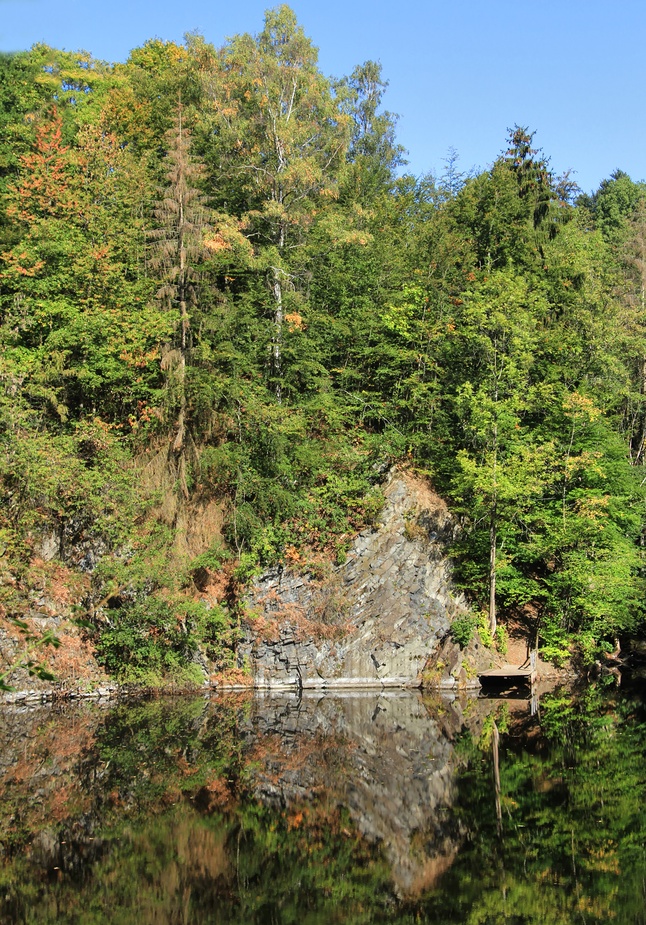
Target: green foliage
pixel 156 639
pixel 484 630
pixel 501 639
pixel 276 316
pixel 616 200
pixel 213 558
pixel 463 629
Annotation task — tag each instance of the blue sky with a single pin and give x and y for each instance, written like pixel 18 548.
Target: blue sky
pixel 460 71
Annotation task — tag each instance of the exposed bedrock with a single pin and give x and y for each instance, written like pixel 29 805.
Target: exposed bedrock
pixel 376 619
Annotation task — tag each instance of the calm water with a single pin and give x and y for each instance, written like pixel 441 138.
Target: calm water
pixel 356 809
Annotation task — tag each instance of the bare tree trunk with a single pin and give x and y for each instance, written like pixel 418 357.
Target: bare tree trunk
pixel 277 291
pixel 176 251
pixel 492 572
pixel 178 444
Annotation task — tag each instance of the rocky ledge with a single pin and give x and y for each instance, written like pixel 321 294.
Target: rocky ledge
pixel 376 620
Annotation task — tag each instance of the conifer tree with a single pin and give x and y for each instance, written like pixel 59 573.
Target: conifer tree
pixel 176 252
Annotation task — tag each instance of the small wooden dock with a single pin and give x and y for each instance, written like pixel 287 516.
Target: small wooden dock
pixel 510 671
pixel 513 675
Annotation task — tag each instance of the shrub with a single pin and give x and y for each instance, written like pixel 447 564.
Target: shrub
pixel 462 630
pixel 154 637
pixel 502 640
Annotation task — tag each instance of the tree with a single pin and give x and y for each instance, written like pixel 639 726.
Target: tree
pixel 373 153
pixel 501 472
pixel 512 210
pixel 70 281
pixel 452 180
pixel 532 173
pixel 614 202
pixel 633 255
pixel 279 148
pixel 177 249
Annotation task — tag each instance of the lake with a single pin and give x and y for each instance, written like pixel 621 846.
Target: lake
pixel 358 808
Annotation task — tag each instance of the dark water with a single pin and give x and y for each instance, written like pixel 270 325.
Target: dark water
pixel 359 809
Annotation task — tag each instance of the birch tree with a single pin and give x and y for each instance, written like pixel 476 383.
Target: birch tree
pixel 279 146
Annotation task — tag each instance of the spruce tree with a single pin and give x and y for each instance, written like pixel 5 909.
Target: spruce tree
pixel 177 249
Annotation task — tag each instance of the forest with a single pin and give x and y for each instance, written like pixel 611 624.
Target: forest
pixel 221 291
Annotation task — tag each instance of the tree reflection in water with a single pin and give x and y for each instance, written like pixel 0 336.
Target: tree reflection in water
pixel 350 809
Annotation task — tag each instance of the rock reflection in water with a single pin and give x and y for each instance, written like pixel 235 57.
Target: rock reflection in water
pixel 384 756
pixel 232 809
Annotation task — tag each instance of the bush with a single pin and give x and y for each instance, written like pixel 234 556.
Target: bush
pixel 462 630
pixel 502 640
pixel 157 638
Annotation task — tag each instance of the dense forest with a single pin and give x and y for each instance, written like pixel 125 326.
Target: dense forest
pixel 220 291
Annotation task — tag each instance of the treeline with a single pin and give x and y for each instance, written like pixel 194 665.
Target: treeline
pixel 211 261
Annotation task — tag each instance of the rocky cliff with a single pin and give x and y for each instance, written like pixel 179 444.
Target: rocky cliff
pixel 376 619
pixel 380 618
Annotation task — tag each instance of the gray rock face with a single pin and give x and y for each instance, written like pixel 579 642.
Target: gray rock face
pixel 73 543
pixel 375 620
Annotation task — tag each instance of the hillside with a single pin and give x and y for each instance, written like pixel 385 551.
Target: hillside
pixel 227 312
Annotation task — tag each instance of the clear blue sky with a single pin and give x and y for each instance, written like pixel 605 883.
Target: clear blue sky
pixel 460 71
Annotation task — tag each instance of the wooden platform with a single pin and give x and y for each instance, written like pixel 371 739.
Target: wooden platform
pixel 523 674
pixel 510 673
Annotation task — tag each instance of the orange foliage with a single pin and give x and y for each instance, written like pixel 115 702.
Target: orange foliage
pixel 217 243
pixel 232 676
pixel 294 321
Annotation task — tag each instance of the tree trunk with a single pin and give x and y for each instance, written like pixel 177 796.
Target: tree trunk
pixel 277 291
pixel 178 444
pixel 276 285
pixel 492 572
pixel 181 374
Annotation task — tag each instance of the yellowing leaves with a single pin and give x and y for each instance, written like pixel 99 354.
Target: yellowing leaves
pixel 19 264
pixel 139 359
pixel 217 243
pixel 584 462
pixel 581 408
pixel 593 508
pixel 348 237
pixel 227 237
pixel 100 253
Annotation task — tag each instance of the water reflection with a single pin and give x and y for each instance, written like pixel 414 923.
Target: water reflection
pixel 386 759
pixel 358 808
